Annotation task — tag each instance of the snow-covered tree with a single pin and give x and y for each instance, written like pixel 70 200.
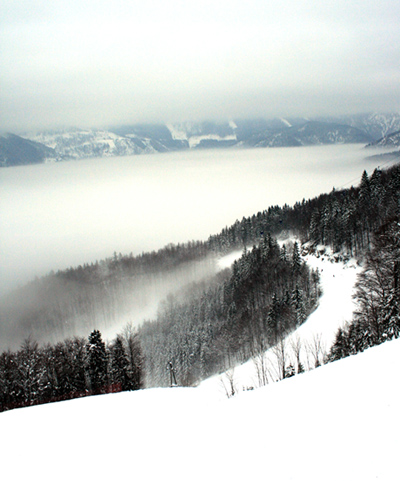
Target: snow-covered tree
pixel 96 361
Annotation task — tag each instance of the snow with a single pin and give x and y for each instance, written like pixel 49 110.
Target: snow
pixel 315 336
pixel 195 140
pixel 336 303
pixel 177 132
pixel 337 422
pixel 187 131
pixel 286 122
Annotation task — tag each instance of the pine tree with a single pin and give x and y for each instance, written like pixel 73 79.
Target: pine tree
pixel 340 347
pixel 119 371
pixel 96 362
pixel 296 259
pixel 273 319
pixel 290 371
pixel 298 305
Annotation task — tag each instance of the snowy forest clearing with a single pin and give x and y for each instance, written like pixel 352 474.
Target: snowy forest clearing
pixel 339 421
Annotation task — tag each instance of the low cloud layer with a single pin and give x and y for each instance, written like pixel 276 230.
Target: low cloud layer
pixel 97 63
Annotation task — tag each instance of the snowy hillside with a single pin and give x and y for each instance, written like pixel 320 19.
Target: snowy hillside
pixel 377 125
pixel 312 339
pixel 338 422
pixel 78 144
pixel 389 141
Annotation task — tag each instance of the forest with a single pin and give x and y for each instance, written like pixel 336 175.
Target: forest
pixel 206 326
pixel 73 368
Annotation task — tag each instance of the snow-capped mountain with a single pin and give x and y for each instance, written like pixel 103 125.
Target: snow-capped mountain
pixel 78 144
pixel 377 125
pixel 308 133
pixel 267 133
pixel 152 138
pixel 389 141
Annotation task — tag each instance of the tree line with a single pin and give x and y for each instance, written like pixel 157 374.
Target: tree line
pixel 73 368
pixel 343 219
pixel 209 328
pixel 377 317
pixel 76 300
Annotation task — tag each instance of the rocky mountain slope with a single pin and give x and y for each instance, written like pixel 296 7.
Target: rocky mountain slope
pixel 15 150
pixel 389 141
pixel 152 138
pixel 310 133
pixel 377 125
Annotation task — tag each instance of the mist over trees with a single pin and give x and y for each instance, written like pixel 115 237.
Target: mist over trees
pixel 99 295
pixel 267 294
pixel 207 326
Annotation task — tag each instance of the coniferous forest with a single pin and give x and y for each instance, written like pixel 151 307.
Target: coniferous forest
pixel 73 368
pixel 206 326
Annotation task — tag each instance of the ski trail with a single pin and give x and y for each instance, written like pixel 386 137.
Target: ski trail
pixel 315 336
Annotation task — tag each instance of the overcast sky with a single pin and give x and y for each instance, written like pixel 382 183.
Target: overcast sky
pixel 97 62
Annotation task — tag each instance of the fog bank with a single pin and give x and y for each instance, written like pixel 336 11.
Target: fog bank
pixel 53 216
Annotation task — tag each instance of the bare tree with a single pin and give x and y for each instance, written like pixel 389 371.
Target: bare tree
pixel 230 386
pixel 260 364
pixel 279 351
pixel 317 350
pixel 297 346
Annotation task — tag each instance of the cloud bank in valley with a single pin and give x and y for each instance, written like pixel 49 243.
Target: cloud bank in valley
pixel 96 63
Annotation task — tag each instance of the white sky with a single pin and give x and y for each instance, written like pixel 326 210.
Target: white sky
pixel 99 62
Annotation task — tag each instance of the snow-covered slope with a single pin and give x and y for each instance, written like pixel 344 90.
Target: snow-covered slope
pixel 389 141
pixel 204 134
pixel 377 125
pixel 312 339
pixel 337 422
pixel 78 144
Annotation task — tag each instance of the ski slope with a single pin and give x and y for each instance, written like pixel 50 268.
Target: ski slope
pixel 314 337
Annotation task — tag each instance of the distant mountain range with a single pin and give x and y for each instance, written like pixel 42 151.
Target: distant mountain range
pixel 380 130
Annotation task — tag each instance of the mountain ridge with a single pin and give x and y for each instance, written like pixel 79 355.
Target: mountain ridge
pixel 16 151
pixel 139 139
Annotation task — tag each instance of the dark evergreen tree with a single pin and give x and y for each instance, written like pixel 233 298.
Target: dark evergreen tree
pixel 340 347
pixel 296 259
pixel 290 371
pixel 96 362
pixel 119 370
